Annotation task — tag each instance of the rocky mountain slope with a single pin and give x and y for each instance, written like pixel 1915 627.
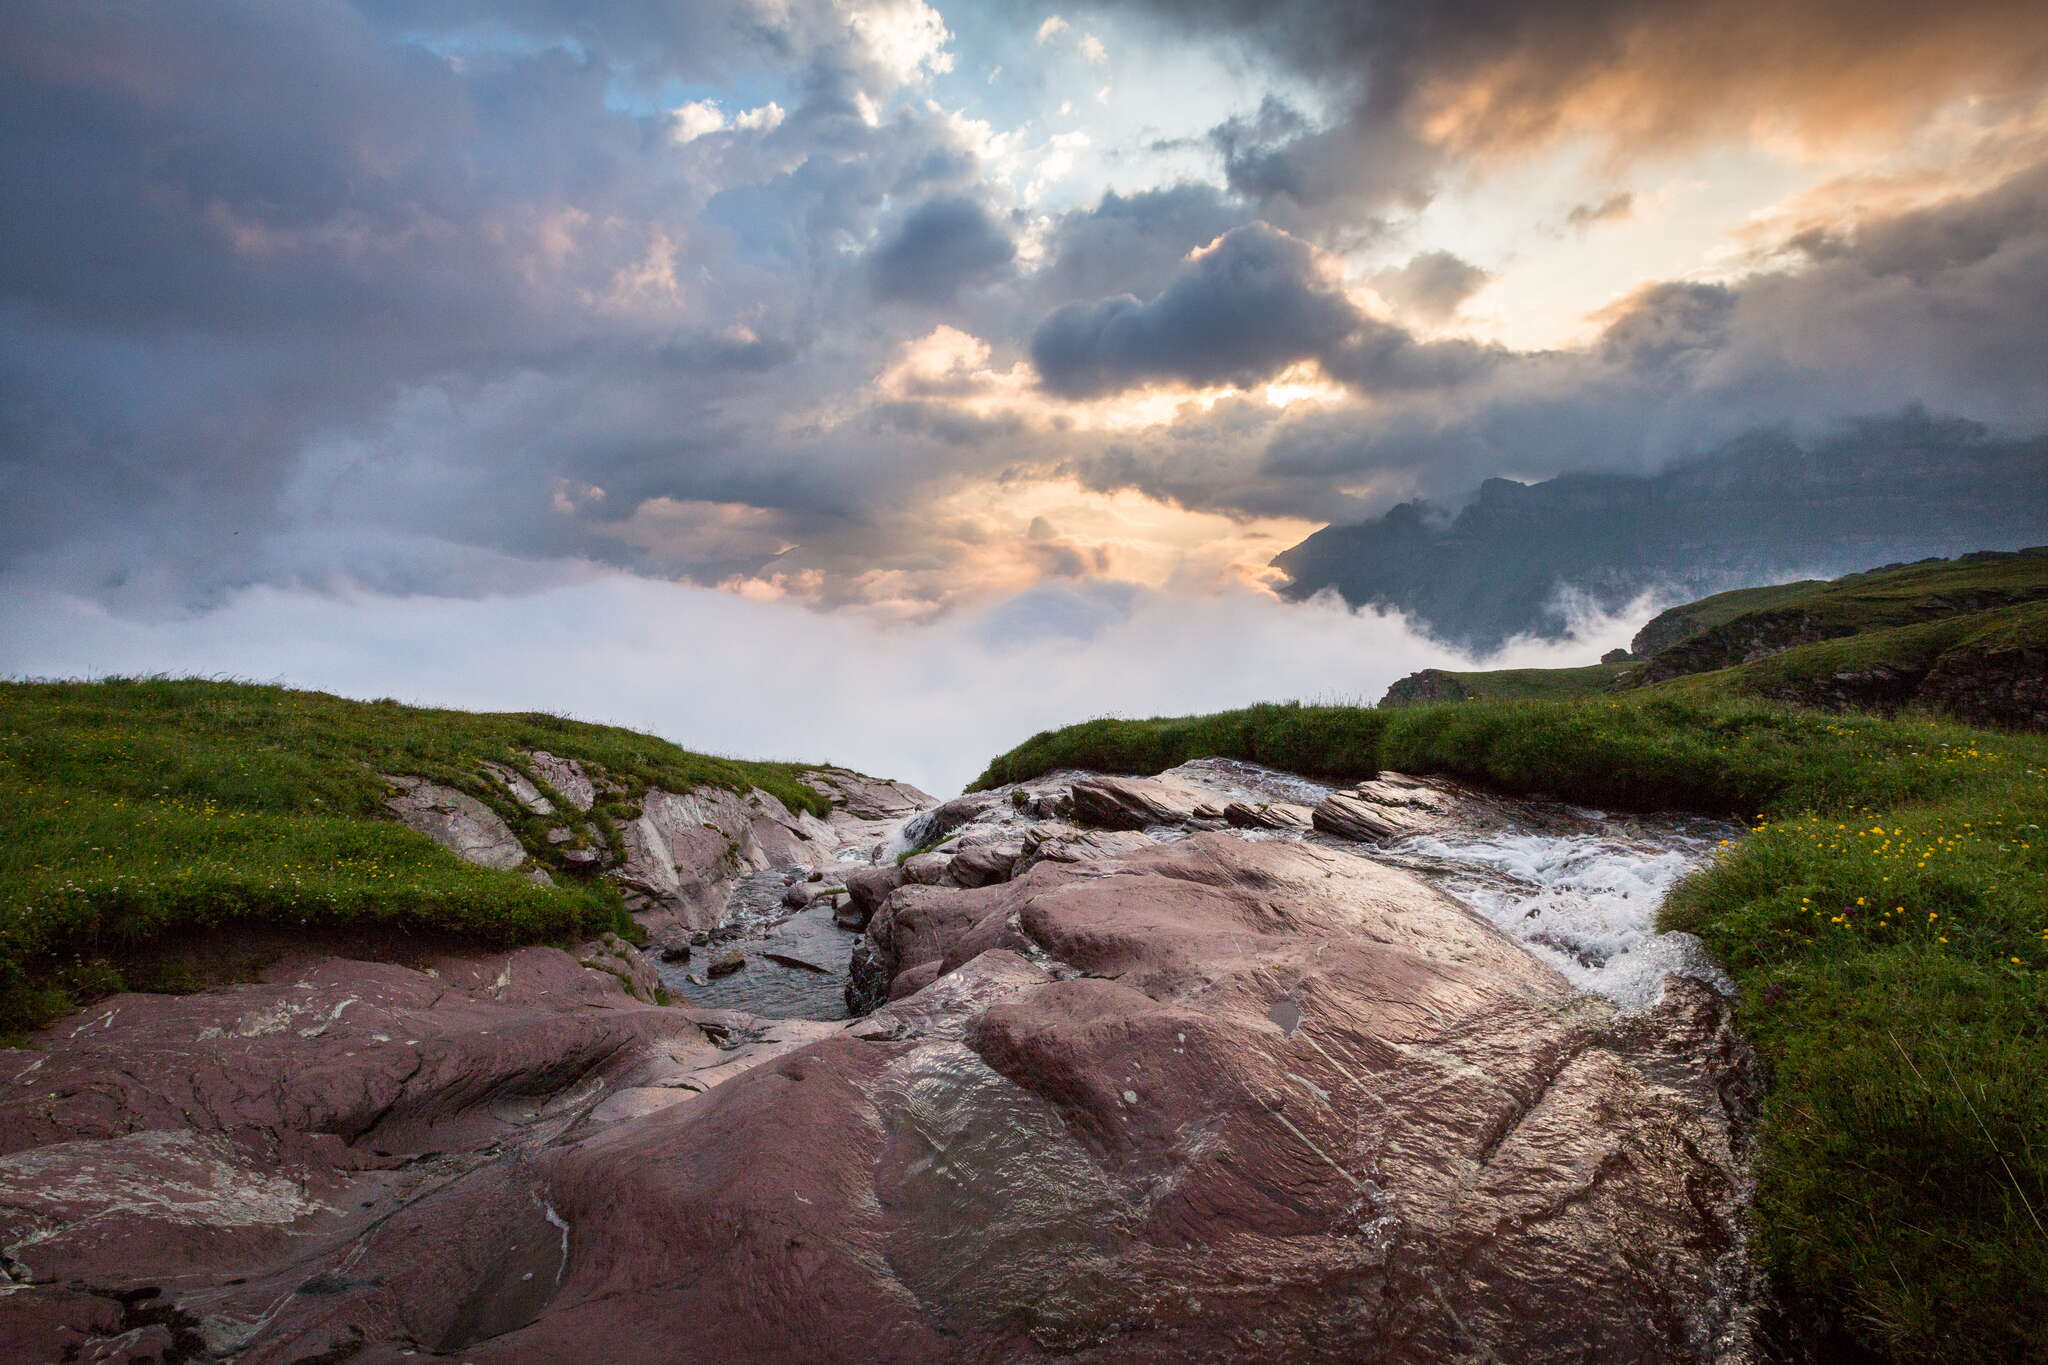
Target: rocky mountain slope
pixel 1757 512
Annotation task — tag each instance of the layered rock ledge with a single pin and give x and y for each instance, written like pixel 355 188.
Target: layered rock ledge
pixel 1132 1094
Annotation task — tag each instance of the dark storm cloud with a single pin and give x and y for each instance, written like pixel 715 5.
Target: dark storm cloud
pixel 1245 309
pixel 943 246
pixel 271 272
pixel 1415 81
pixel 1239 313
pixel 1132 244
pixel 1432 285
pixel 1946 307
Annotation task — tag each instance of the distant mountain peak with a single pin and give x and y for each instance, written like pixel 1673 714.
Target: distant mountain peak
pixel 1760 509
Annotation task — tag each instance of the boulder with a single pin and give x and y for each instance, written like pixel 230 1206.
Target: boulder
pixel 1272 1102
pixel 1211 1100
pixel 927 869
pixel 1281 815
pixel 867 798
pixel 455 820
pixel 928 827
pixel 987 862
pixel 866 888
pixel 1135 802
pixel 1055 843
pixel 727 962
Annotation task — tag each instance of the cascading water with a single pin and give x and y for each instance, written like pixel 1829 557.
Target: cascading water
pixel 1585 902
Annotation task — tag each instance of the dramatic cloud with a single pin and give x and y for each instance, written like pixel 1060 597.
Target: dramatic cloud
pixel 1958 295
pixel 945 245
pixel 1432 285
pixel 1416 83
pixel 1245 308
pixel 790 298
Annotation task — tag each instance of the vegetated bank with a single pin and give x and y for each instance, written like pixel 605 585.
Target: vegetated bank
pixel 142 809
pixel 1965 637
pixel 1887 923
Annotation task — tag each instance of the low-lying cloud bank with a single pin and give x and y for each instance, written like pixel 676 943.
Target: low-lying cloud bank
pixel 927 703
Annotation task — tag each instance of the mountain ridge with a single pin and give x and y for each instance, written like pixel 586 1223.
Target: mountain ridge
pixel 1757 511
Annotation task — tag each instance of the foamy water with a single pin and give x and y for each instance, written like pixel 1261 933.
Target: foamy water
pixel 1586 903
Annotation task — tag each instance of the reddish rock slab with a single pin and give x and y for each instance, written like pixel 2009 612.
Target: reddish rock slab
pixel 1204 1101
pixel 1139 803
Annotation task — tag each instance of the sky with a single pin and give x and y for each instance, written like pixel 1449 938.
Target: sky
pixel 880 382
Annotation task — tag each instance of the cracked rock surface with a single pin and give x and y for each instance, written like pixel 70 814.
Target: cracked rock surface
pixel 1134 1094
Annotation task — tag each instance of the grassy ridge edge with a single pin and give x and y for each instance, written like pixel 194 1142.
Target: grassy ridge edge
pixel 139 809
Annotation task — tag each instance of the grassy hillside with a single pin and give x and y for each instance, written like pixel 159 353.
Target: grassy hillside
pixel 1887 922
pixel 1882 599
pixel 139 809
pixel 1951 664
pixel 1675 624
pixel 1503 684
pixel 1965 637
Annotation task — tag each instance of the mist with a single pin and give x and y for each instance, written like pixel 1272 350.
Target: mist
pixel 929 704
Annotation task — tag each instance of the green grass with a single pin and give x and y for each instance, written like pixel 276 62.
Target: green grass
pixel 1878 600
pixel 136 809
pixel 1670 626
pixel 1887 924
pixel 1521 684
pixel 1911 650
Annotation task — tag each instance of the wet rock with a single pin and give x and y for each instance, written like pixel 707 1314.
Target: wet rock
pixel 1281 815
pixel 685 851
pixel 798 896
pixel 1134 802
pixel 455 820
pixel 868 975
pixel 1051 843
pixel 1391 806
pixel 1295 1106
pixel 676 952
pixel 986 863
pixel 925 829
pixel 727 962
pixel 927 869
pixel 866 888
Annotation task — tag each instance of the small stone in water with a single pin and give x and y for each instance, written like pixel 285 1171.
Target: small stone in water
pixel 727 962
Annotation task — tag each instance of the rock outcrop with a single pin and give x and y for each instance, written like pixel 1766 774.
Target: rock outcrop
pixel 456 821
pixel 678 855
pixel 1218 1098
pixel 1426 688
